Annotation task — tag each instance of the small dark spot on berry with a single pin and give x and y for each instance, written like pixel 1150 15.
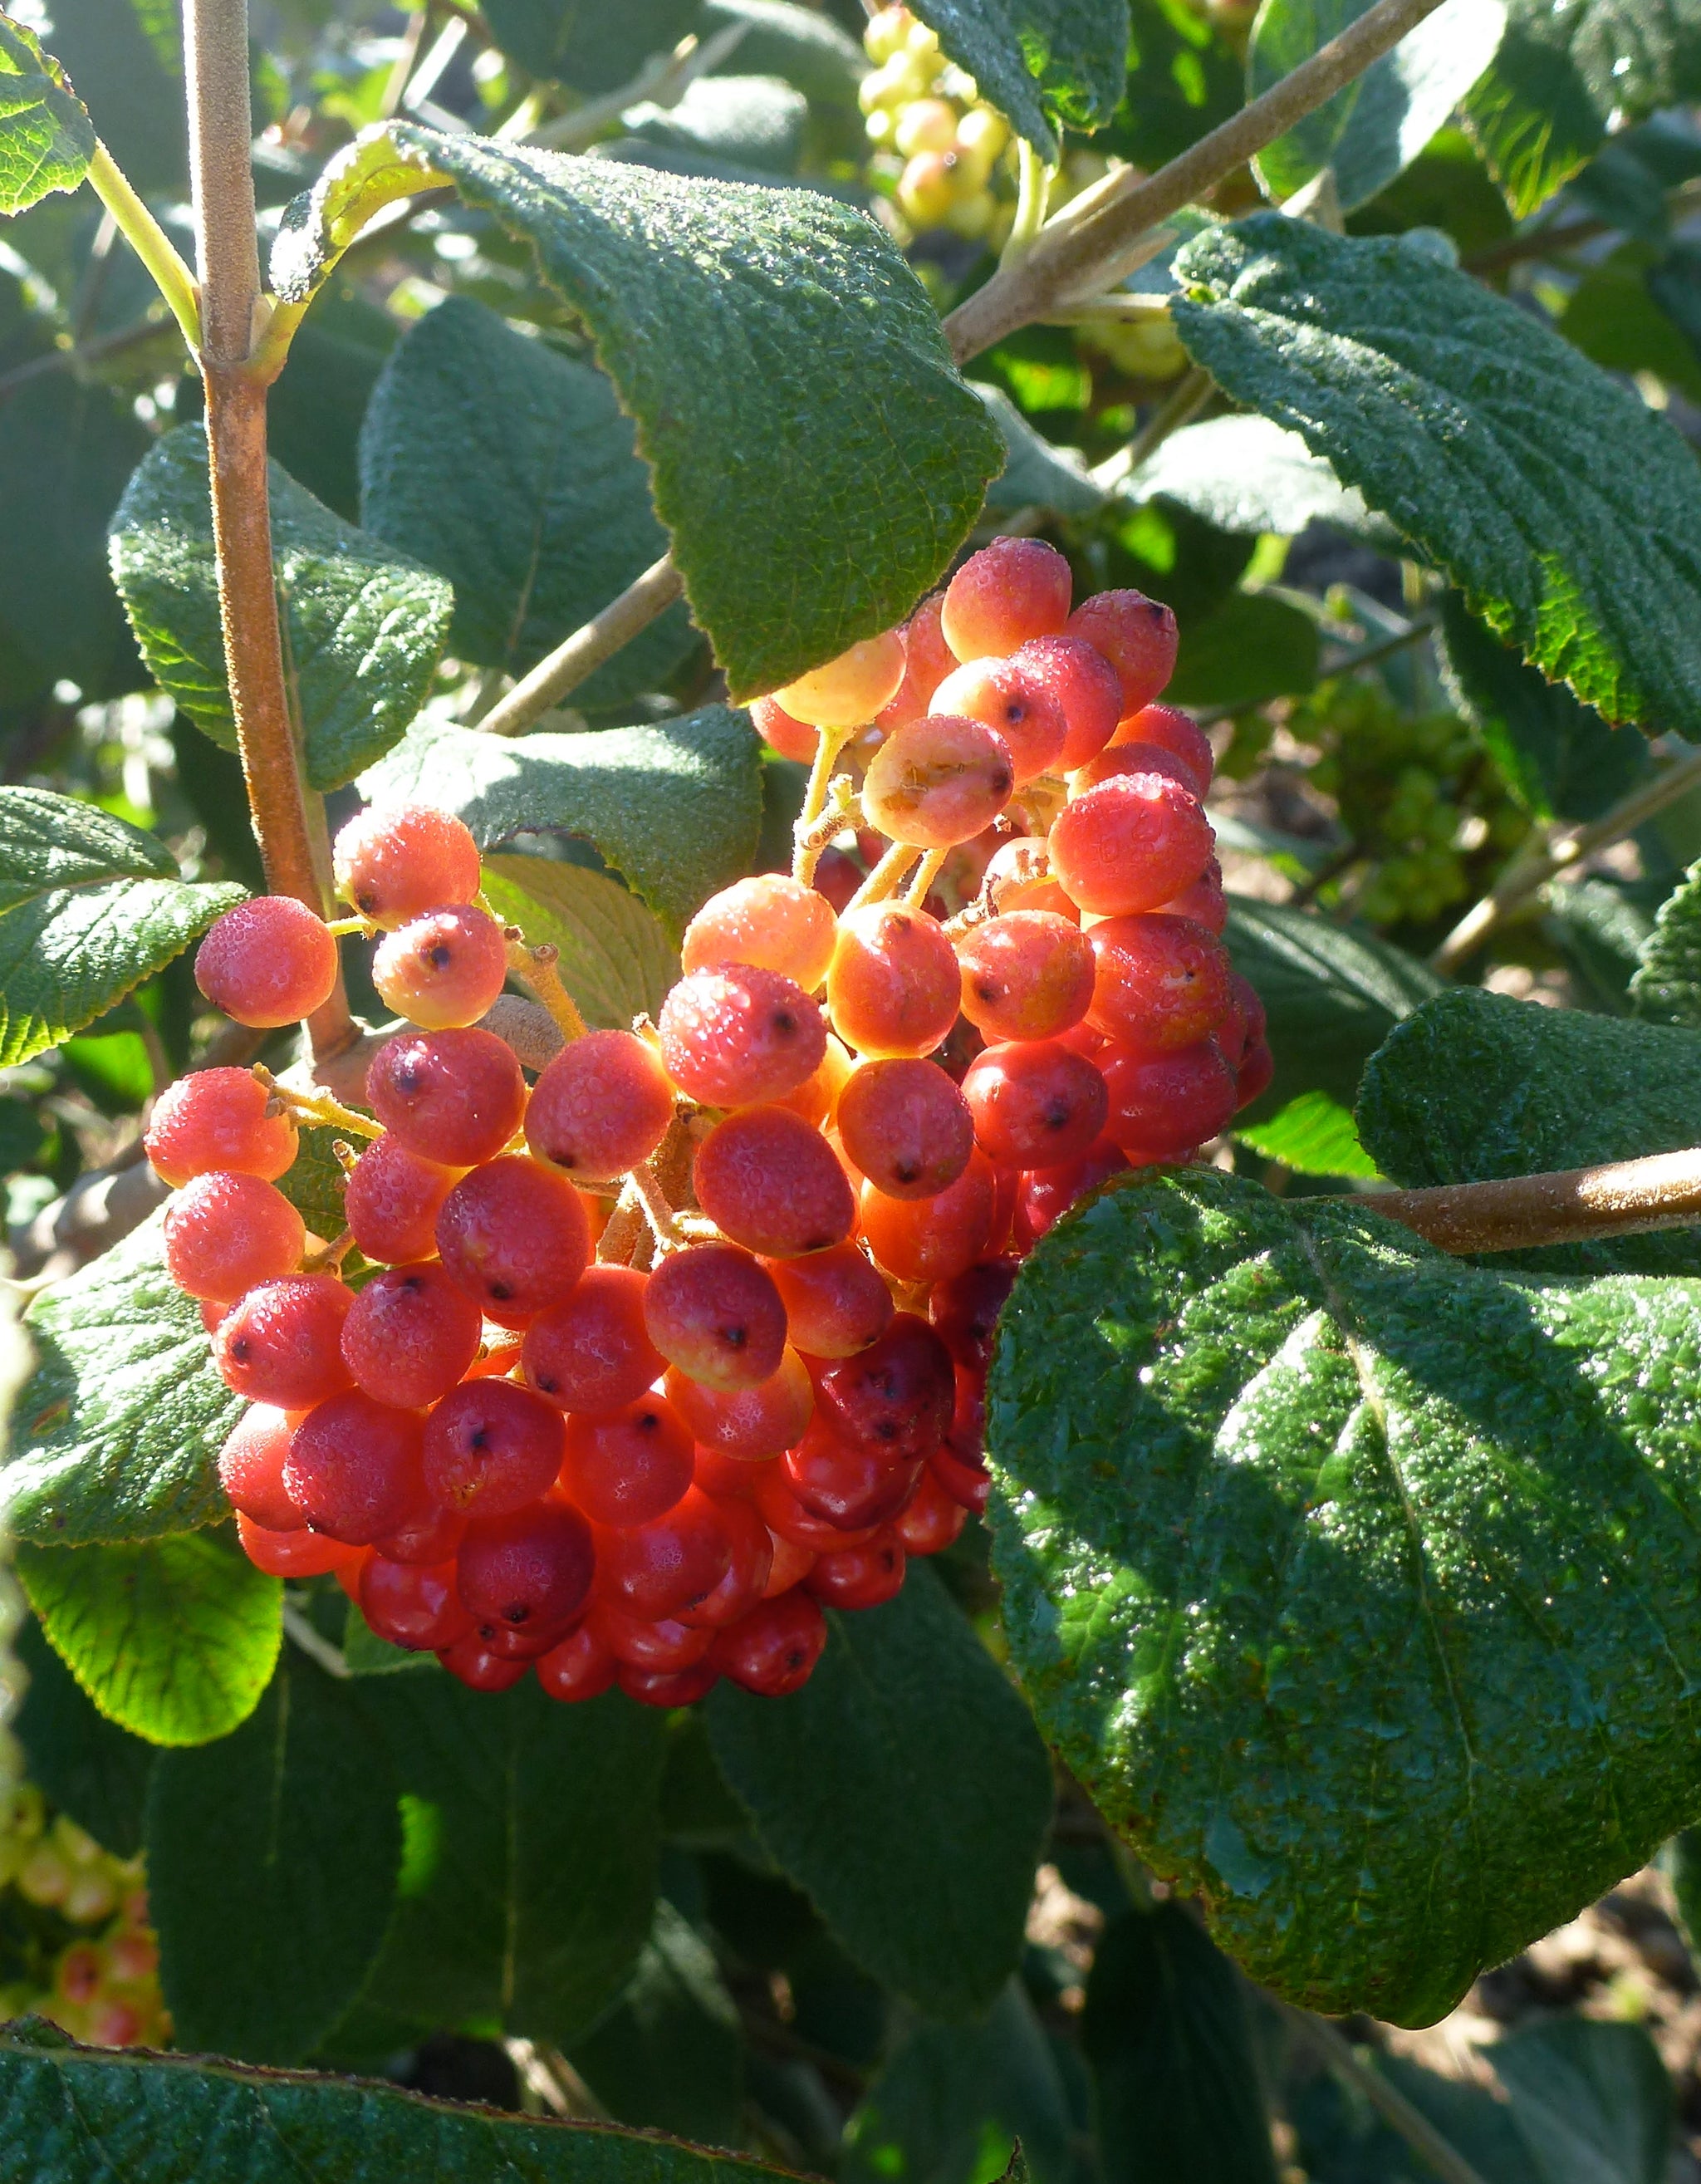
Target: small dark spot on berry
pixel 735 1338
pixel 440 956
pixel 785 1023
pixel 501 1291
pixel 906 1171
pixel 241 1350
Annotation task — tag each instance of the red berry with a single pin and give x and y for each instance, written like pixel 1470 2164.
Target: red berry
pixel 471 1662
pixel 217 1119
pixel 413 1605
pixel 1160 982
pixel 1035 1104
pixel 927 660
pixel 282 1343
pixel 1005 696
pixel 837 876
pixel 530 1570
pixel 1204 901
pixel 591 1351
pixel 932 1520
pixel 967 1483
pixel 443 969
pixel 714 1313
pixel 267 962
pixel 1085 689
pixel 225 1234
pixel 1129 844
pixel 791 1563
pixel 515 1236
pixel 600 1108
pixel 791 1523
pixel 673 1563
pixel 1047 1194
pixel 860 1577
pixel 581 1666
pixel 748 1423
pixel 297 1553
pixel 394 862
pixel 941 780
pixel 736 1035
pixel 1171 730
pixel 391 1200
pixel 906 1127
pixel 491 1448
pixel 1257 1071
pixel 747 1573
pixel 1009 592
pixel 434 1535
pixel 251 1469
pixel 665 1645
pixel 663 1687
pixel 774 1648
pixel 794 739
pixel 893 986
pixel 1162 1105
pixel 1136 635
pixel 931 1238
pixel 411 1335
pixel 1244 1024
pixel 770 1182
pixel 1027 974
pixel 895 1398
pixel 965 1310
pixel 835 1302
pixel 354 1468
pixel 455 1097
pixel 630 1466
pixel 846 1485
pixel 773 921
pixel 846 692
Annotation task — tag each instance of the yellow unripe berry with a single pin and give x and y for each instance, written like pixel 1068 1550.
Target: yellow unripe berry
pixel 984 132
pixel 922 42
pixel 899 81
pixel 929 125
pixel 885 32
pixel 879 125
pixel 971 215
pixel 848 691
pixel 927 189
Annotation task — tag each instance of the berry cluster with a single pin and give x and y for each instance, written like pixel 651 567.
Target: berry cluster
pixel 75 1942
pixel 659 1355
pixel 944 153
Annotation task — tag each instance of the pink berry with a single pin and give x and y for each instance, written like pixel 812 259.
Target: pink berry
pixel 940 781
pixel 770 1182
pixel 455 1096
pixel 217 1119
pixel 411 1335
pixel 227 1234
pixel 444 968
pixel 600 1107
pixel 1005 696
pixel 391 1202
pixel 1136 635
pixel 736 1035
pixel 714 1313
pixel 282 1343
pixel 1084 686
pixel 267 962
pixel 1009 592
pixel 773 921
pixel 395 861
pixel 515 1236
pixel 1129 844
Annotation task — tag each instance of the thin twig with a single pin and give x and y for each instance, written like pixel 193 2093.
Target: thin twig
pixel 662 80
pixel 1087 247
pixel 646 1187
pixel 577 658
pixel 1566 1206
pixel 1564 234
pixel 330 1658
pixel 921 886
pixel 149 241
pixel 1418 2133
pixel 1179 408
pixel 82 353
pixel 317 1106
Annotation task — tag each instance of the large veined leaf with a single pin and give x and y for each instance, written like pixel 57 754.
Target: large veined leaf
pixel 89 907
pixel 1588 2100
pixel 363 626
pixel 1372 131
pixel 615 960
pixel 1474 1087
pixel 905 1709
pixel 116 1432
pixel 509 469
pixel 175 1639
pixel 670 2054
pixel 675 808
pixel 1356 1585
pixel 1040 62
pixel 814 457
pixel 82 2115
pixel 46 139
pixel 1580 545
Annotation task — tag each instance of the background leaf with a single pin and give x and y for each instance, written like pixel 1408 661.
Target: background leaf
pixel 1243 473
pixel 46 137
pixel 1313 1135
pixel 580 42
pixel 905 1711
pixel 616 962
pixel 175 1639
pixel 1039 62
pixel 1592 2103
pixel 1418 384
pixel 1666 989
pixel 670 2054
pixel 85 1764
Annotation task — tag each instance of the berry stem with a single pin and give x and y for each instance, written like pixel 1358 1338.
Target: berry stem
pixel 579 657
pixel 841 809
pixel 1567 1205
pixel 646 1187
pixel 537 967
pixel 317 1106
pixel 1033 193
pixel 926 873
pixel 149 241
pixel 887 878
pixel 328 1257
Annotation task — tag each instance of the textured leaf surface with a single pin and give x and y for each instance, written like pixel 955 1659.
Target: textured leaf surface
pixel 1356 1585
pixel 173 1639
pixel 1666 989
pixel 1476 1086
pixel 46 139
pixel 75 2116
pixel 675 808
pixel 85 1764
pixel 1580 545
pixel 272 1858
pixel 528 1882
pixel 906 1711
pixel 1333 995
pixel 89 907
pixel 117 1431
pixel 1166 2034
pixel 814 457
pixel 1313 1135
pixel 509 469
pixel 1040 62
pixel 1559 759
pixel 364 626
pixel 616 962
pixel 1373 130
pixel 1243 473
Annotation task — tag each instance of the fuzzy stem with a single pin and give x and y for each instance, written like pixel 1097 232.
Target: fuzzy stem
pixel 887 878
pixel 579 657
pixel 1033 193
pixel 926 873
pixel 149 241
pixel 1566 1206
pixel 647 1189
pixel 317 1106
pixel 536 965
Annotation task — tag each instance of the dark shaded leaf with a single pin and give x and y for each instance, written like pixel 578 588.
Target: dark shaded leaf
pixel 1042 63
pixel 84 1764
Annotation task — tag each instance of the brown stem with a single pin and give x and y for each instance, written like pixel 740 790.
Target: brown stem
pixel 577 657
pixel 215 50
pixel 1569 1205
pixel 1088 246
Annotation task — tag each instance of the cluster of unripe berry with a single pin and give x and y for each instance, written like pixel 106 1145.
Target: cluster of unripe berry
pixel 656 1357
pixel 945 152
pixel 75 1942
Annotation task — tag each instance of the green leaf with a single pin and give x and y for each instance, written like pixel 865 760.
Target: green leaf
pixel 1245 474
pixel 675 808
pixel 1355 1584
pixel 906 1711
pixel 1165 2031
pixel 46 139
pixel 1564 77
pixel 1249 648
pixel 582 42
pixel 814 456
pixel 1036 473
pixel 509 469
pixel 1313 1135
pixel 616 962
pixel 953 2101
pixel 85 1764
pixel 312 1183
pixel 1373 130
pixel 1601 927
pixel 89 907
pixel 670 2054
pixel 1333 995
pixel 272 1858
pixel 1666 989
pixel 1614 316
pixel 753 121
pixel 1561 759
pixel 781 39
pixel 82 2115
pixel 175 1639
pixel 1476 1086
pixel 363 626
pixel 1343 2140
pixel 117 1433
pixel 1043 64
pixel 1582 547
pixel 1592 2103
pixel 1184 79
pixel 126 61
pixel 528 1881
